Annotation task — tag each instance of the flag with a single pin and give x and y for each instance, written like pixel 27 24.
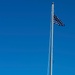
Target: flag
pixel 58 21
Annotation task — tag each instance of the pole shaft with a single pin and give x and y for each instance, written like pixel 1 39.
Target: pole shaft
pixel 51 39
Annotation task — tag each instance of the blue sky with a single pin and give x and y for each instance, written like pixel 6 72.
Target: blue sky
pixel 24 37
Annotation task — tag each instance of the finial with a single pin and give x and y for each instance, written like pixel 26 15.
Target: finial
pixel 52 2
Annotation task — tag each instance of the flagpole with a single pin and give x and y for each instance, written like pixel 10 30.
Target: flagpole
pixel 51 39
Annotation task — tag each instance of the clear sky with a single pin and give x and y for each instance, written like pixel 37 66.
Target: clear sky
pixel 24 37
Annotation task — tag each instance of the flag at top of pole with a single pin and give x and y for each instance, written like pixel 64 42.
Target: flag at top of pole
pixel 54 20
pixel 58 21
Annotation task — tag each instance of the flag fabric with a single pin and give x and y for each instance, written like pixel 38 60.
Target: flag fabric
pixel 58 21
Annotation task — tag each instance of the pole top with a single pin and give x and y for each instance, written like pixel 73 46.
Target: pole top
pixel 52 2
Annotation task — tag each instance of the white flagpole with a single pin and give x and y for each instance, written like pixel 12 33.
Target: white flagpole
pixel 51 39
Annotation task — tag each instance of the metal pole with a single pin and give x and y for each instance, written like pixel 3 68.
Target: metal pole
pixel 51 39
